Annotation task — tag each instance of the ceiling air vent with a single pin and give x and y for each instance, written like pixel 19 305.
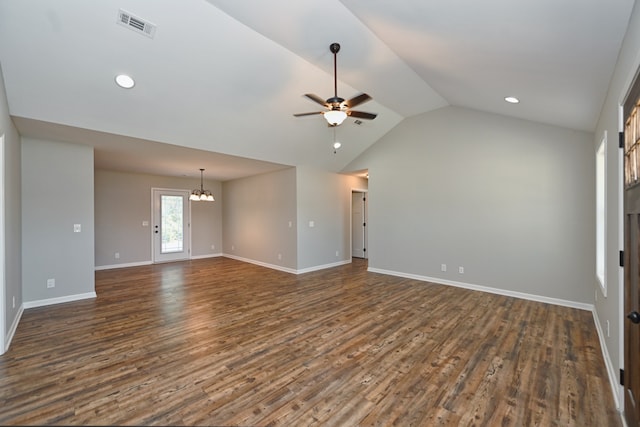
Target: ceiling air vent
pixel 136 24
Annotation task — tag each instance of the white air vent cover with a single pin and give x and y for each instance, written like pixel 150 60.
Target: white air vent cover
pixel 136 24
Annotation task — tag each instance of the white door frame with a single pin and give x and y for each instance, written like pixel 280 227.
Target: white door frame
pixel 626 88
pixel 3 281
pixel 155 221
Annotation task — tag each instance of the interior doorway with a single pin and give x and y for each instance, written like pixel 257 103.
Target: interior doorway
pixel 171 218
pixel 359 235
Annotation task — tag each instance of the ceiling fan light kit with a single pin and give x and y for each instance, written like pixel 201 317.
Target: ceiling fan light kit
pixel 335 117
pixel 337 108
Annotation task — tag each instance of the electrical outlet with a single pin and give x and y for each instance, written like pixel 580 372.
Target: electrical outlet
pixel 213 247
pixel 443 267
pixel 14 302
pixel 117 255
pixel 608 330
pixel 233 248
pixel 337 253
pixel 461 270
pixel 51 283
pixel 279 256
pixel 77 228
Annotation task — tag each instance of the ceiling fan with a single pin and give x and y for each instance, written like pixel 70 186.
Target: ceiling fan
pixel 337 108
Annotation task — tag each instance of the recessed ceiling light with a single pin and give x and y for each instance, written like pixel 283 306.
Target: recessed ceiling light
pixel 125 81
pixel 337 145
pixel 512 99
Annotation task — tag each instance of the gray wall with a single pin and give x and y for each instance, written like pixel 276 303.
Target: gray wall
pixel 123 202
pixel 257 211
pixel 324 198
pixel 511 201
pixel 609 308
pixel 12 216
pixel 57 192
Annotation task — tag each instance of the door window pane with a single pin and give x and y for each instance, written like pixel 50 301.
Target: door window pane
pixel 171 211
pixel 601 203
pixel 632 147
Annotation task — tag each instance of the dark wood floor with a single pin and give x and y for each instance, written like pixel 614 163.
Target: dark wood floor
pixel 221 342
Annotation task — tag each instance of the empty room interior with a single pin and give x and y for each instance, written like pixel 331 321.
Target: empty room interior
pixel 348 212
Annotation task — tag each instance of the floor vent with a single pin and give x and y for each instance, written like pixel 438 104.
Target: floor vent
pixel 136 24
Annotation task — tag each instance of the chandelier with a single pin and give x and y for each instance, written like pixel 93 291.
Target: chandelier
pixel 201 194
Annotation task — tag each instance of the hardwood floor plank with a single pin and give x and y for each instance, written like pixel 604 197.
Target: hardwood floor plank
pixel 221 342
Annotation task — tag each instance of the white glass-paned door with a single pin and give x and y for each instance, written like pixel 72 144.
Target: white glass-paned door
pixel 170 225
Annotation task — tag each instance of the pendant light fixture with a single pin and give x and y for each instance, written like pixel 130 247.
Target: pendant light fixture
pixel 201 194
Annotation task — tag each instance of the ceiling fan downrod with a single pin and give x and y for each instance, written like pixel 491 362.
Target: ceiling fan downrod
pixel 335 48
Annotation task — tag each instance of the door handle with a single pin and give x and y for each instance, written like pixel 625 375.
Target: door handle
pixel 634 316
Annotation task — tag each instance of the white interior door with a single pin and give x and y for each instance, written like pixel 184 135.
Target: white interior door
pixel 170 225
pixel 358 224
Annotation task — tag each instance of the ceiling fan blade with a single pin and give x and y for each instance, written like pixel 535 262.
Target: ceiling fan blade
pixel 308 114
pixel 361 115
pixel 357 100
pixel 316 98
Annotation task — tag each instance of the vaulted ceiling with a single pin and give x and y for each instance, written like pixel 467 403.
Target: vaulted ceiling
pixel 218 83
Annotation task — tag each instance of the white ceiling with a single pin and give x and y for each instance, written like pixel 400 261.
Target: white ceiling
pixel 224 77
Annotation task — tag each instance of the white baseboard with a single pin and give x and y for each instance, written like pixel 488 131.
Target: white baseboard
pixel 12 329
pixel 262 264
pixel 137 264
pixel 613 377
pixel 248 260
pixel 58 300
pixel 286 269
pixel 129 264
pixel 322 267
pixel 522 295
pixel 207 256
